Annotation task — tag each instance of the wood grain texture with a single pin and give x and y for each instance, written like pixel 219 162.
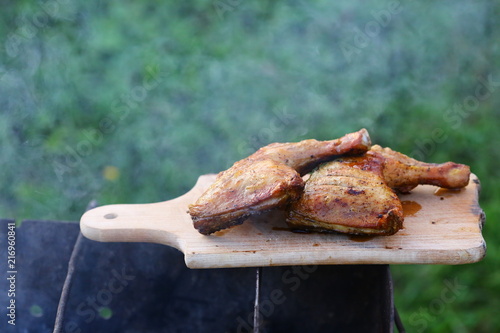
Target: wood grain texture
pixel 441 227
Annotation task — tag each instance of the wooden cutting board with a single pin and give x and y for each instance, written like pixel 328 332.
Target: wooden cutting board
pixel 441 227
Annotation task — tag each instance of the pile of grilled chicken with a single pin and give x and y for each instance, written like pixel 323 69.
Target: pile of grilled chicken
pixel 351 186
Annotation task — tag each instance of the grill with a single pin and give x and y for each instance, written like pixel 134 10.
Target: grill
pixel 143 287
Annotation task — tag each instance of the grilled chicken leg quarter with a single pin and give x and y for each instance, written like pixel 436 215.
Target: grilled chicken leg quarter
pixel 356 194
pixel 271 177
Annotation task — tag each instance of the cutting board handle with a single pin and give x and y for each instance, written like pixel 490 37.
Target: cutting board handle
pixel 164 222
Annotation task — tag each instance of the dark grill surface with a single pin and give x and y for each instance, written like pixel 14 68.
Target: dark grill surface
pixel 138 287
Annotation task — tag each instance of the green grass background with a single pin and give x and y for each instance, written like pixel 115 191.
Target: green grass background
pixel 130 101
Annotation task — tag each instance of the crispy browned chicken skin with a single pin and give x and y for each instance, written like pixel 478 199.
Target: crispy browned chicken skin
pixel 355 194
pixel 348 195
pixel 271 177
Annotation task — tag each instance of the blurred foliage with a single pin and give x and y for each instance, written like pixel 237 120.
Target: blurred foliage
pixel 131 101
